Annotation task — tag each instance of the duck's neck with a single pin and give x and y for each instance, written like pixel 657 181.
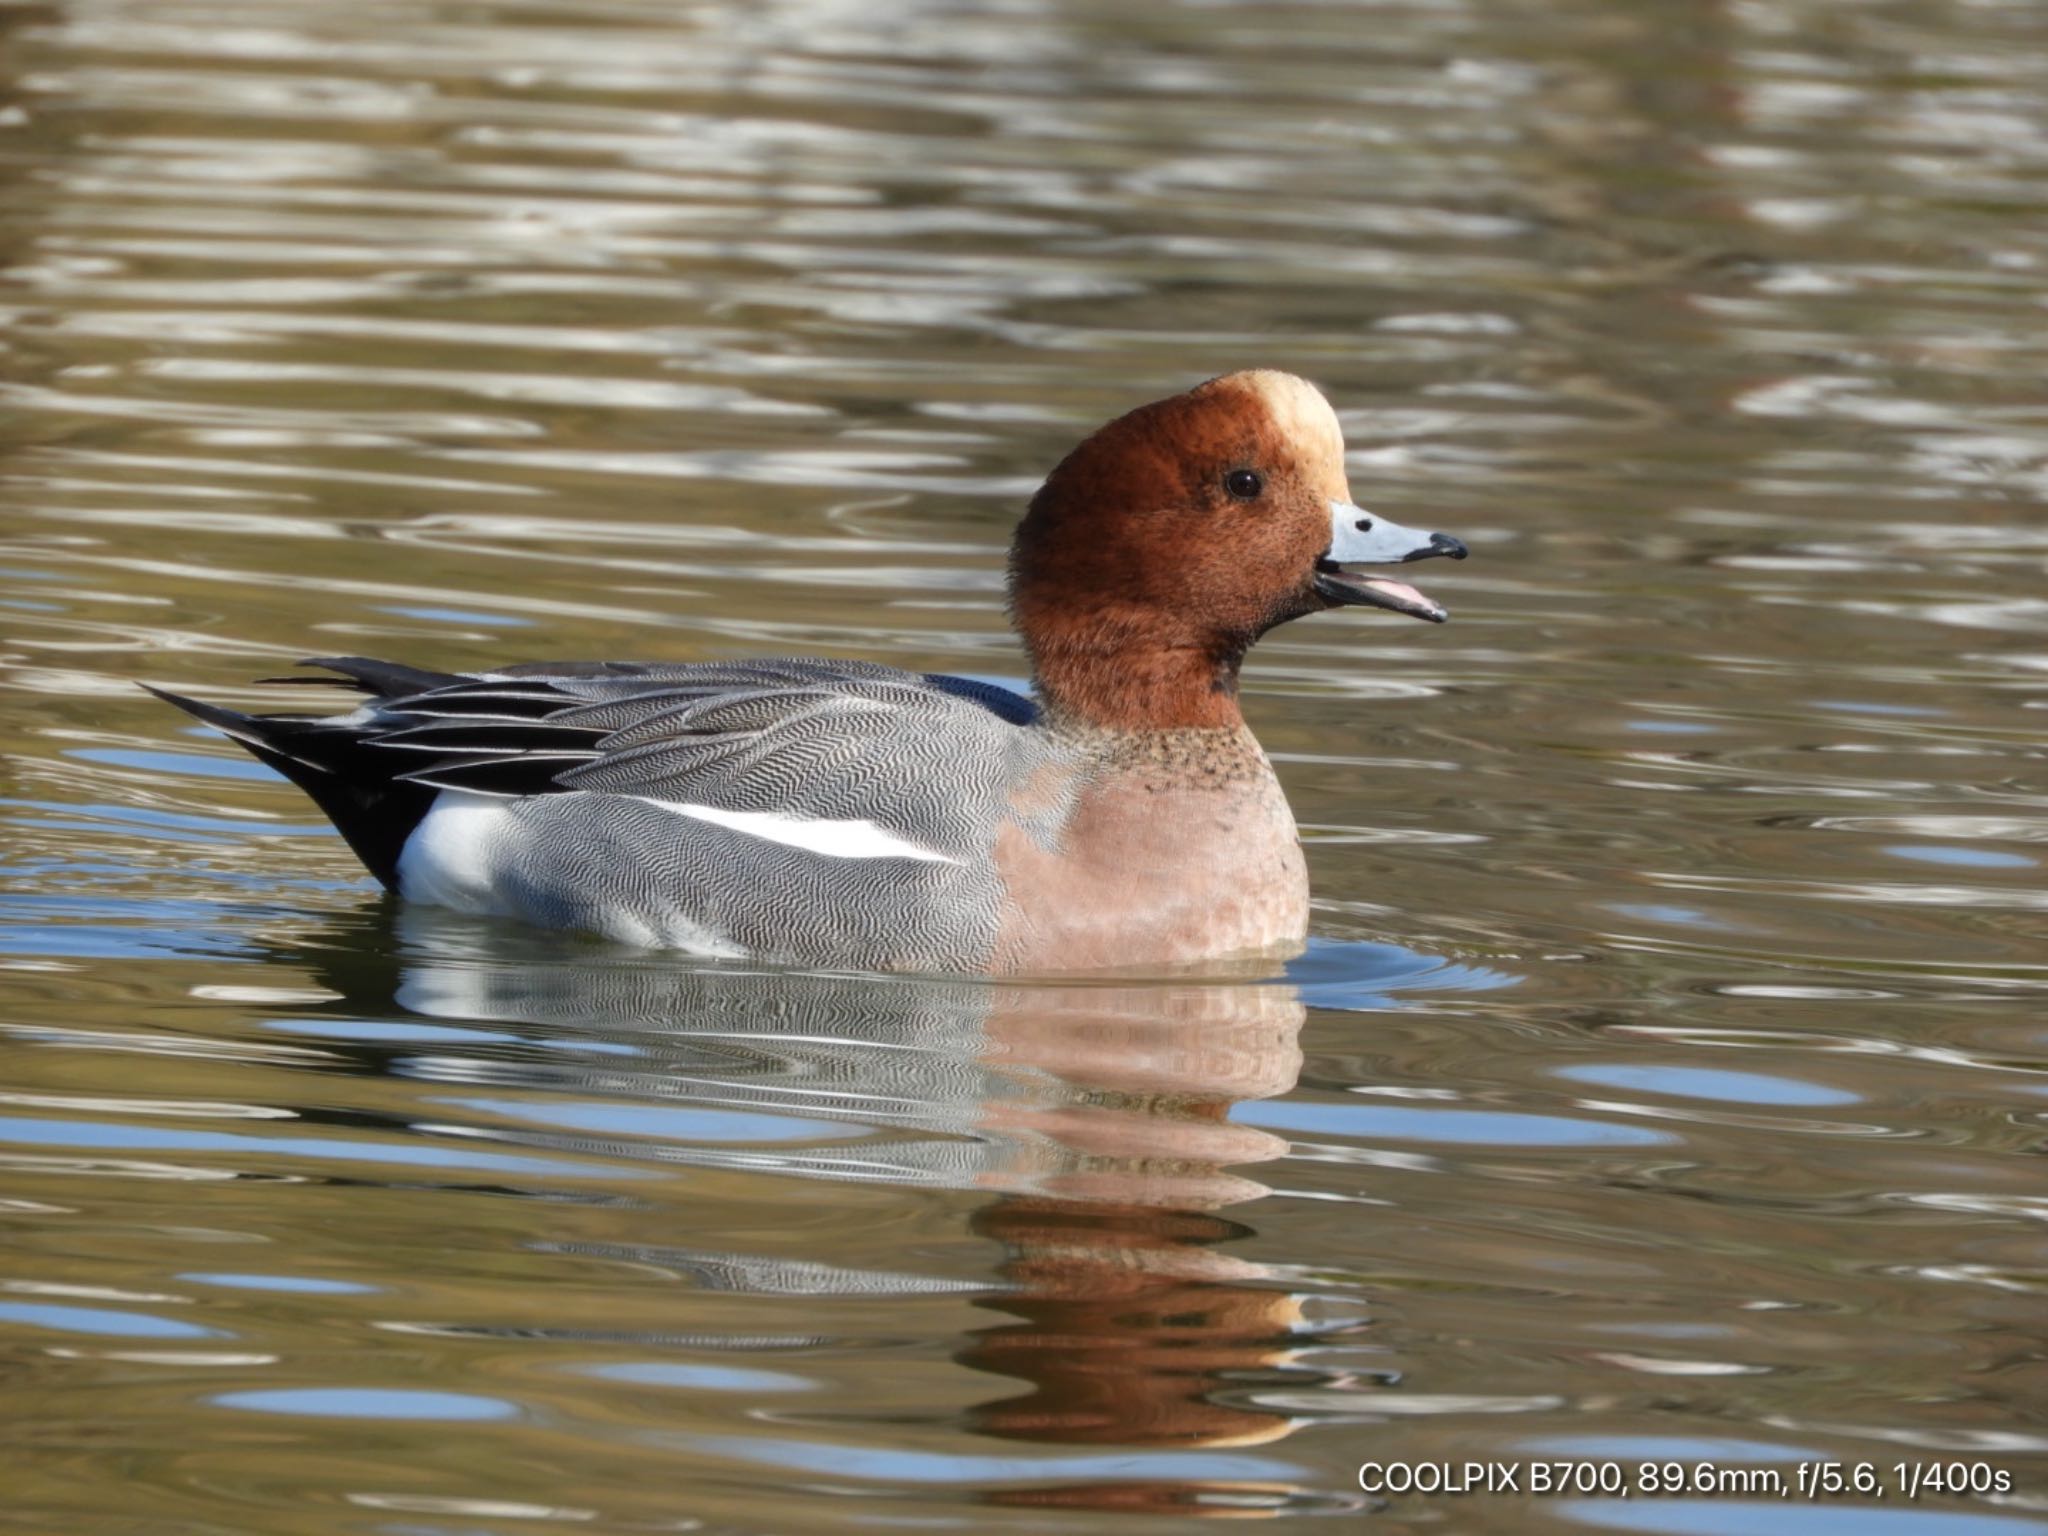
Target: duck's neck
pixel 1138 687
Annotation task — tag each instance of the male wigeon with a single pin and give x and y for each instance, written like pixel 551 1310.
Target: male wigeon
pixel 843 813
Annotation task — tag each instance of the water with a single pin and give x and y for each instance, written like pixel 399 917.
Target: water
pixel 1667 1078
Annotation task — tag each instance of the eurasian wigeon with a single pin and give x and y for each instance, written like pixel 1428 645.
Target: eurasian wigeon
pixel 842 813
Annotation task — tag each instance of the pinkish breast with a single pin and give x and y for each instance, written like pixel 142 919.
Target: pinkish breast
pixel 1177 846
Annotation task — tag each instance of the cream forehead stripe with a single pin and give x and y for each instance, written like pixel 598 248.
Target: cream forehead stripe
pixel 1299 410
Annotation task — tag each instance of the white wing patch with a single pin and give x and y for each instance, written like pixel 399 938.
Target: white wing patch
pixel 858 839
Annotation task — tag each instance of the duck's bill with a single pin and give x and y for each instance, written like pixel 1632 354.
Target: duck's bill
pixel 1358 537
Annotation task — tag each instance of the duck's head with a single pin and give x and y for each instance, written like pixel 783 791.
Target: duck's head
pixel 1191 526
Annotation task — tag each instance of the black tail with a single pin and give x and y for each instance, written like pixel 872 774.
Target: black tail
pixel 332 762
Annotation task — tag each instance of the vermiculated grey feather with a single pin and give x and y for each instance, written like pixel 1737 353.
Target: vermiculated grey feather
pixel 605 771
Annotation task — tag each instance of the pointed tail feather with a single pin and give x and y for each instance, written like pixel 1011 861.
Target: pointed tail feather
pixel 374 811
pixel 386 679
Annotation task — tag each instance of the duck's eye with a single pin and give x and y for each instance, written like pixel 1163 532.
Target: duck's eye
pixel 1244 484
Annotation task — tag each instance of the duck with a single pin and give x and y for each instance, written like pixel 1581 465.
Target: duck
pixel 842 813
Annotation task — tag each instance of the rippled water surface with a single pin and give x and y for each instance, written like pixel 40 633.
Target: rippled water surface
pixel 1667 1078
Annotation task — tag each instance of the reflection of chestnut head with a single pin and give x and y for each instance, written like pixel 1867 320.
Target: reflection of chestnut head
pixel 1128 1322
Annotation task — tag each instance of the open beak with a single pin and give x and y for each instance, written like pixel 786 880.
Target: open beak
pixel 1358 537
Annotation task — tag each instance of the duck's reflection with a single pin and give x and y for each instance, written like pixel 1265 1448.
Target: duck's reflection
pixel 1128 1312
pixel 1098 1116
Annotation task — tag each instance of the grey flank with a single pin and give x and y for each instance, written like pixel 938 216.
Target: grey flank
pixel 575 753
